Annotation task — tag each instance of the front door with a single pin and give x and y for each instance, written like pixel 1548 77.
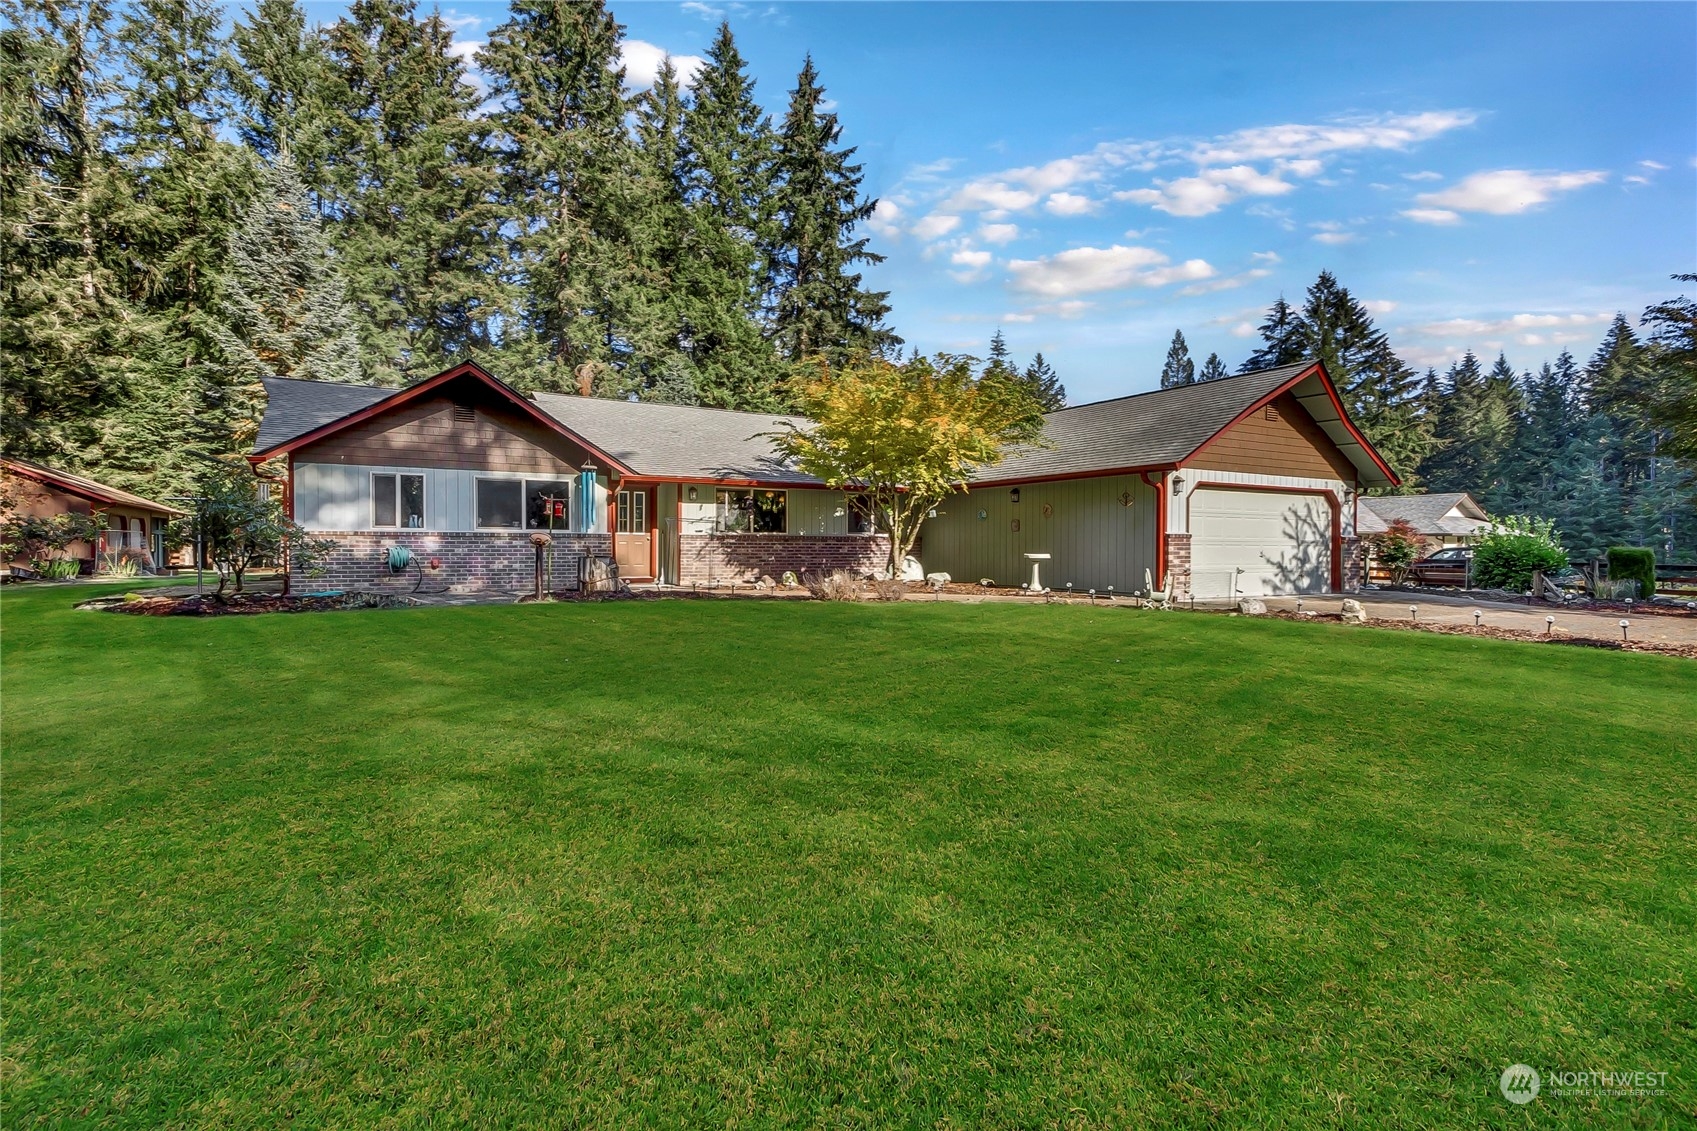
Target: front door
pixel 631 535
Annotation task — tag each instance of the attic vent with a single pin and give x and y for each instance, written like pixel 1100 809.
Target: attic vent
pixel 1272 413
pixel 464 413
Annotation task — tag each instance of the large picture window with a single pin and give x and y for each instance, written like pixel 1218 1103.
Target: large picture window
pixel 752 511
pixel 547 504
pixel 500 504
pixel 397 501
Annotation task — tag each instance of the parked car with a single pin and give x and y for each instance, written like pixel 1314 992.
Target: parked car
pixel 1449 566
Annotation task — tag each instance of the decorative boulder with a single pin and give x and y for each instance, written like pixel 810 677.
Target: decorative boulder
pixel 911 569
pixel 987 582
pixel 1252 606
pixel 790 580
pixel 1354 612
pixel 937 580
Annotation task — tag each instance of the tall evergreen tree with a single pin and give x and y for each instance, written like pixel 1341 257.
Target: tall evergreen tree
pixel 1001 363
pixel 568 185
pixel 822 307
pixel 1673 342
pixel 1044 384
pixel 280 84
pixel 1284 340
pixel 1212 369
pixel 283 309
pixel 67 332
pixel 1178 369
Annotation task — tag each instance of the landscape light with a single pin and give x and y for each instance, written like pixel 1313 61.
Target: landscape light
pixel 1476 616
pixel 1549 625
pixel 1414 612
pixel 1623 625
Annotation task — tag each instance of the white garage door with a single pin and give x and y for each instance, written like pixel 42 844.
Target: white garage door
pixel 1259 543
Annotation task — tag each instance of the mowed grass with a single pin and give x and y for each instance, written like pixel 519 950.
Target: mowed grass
pixel 758 864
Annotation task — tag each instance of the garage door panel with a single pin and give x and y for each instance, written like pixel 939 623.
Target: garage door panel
pixel 1259 543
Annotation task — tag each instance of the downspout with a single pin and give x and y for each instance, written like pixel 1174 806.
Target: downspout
pixel 286 485
pixel 1160 531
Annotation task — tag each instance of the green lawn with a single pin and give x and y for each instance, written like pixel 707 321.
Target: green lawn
pixel 760 864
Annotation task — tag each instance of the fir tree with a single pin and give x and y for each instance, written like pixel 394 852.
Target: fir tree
pixel 1044 384
pixel 283 310
pixel 568 170
pixel 280 83
pixel 730 163
pixel 1179 369
pixel 1673 342
pixel 1284 340
pixel 822 308
pixel 1001 364
pixel 1212 369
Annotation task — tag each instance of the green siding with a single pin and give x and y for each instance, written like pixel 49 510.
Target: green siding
pixel 1095 541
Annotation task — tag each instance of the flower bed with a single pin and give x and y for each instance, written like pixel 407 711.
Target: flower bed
pixel 242 604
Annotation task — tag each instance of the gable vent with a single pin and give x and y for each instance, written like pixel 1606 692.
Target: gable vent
pixel 464 413
pixel 1272 413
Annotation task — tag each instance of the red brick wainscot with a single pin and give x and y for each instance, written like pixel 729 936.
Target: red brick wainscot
pixel 1178 564
pixel 471 561
pixel 1354 564
pixel 710 559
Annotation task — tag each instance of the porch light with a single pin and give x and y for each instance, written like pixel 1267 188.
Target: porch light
pixel 693 494
pixel 1013 495
pixel 1178 484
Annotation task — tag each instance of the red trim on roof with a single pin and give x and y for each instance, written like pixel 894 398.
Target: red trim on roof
pixel 430 385
pixel 1331 391
pixel 83 487
pixel 1140 469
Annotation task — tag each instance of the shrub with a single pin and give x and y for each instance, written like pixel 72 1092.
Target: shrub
pixel 1628 563
pixel 889 589
pixel 838 585
pixel 1513 549
pixel 1397 548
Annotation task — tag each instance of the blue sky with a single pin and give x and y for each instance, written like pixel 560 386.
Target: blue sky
pixel 1090 177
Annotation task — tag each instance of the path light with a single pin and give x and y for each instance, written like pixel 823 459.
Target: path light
pixel 1476 615
pixel 1299 604
pixel 1069 589
pixel 1093 596
pixel 1623 625
pixel 1414 612
pixel 1549 625
pixel 1110 594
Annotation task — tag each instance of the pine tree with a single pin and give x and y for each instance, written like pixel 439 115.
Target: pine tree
pixel 730 166
pixel 1179 369
pixel 568 185
pixel 1044 384
pixel 280 84
pixel 67 331
pixel 1284 340
pixel 411 185
pixel 1001 364
pixel 1212 369
pixel 283 310
pixel 1673 342
pixel 822 308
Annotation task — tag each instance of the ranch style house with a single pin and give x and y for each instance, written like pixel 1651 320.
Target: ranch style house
pixel 1245 486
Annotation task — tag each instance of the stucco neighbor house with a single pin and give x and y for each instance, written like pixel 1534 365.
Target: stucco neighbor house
pixel 1447 518
pixel 134 526
pixel 1246 485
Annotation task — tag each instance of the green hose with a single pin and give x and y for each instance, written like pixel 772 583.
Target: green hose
pixel 399 558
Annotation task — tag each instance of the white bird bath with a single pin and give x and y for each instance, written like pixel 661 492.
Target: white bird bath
pixel 1036 581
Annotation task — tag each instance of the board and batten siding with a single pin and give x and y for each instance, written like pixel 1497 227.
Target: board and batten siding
pixel 1094 540
pixel 338 496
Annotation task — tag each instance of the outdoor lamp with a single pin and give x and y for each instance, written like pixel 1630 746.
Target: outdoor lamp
pixel 693 494
pixel 1549 625
pixel 1623 625
pixel 1476 615
pixel 1178 484
pixel 1013 495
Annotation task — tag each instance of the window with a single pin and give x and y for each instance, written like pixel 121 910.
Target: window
pixel 633 512
pixel 547 504
pixel 397 500
pixel 756 511
pixel 860 514
pixel 500 504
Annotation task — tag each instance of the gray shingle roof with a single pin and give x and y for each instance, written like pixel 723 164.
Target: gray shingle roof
pixel 678 441
pixel 1426 512
pixel 293 408
pixel 1142 430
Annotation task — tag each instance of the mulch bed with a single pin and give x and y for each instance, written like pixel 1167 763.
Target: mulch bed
pixel 1685 651
pixel 241 604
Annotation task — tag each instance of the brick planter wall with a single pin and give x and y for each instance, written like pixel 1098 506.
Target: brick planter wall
pixel 1354 563
pixel 472 560
pixel 1178 564
pixel 709 558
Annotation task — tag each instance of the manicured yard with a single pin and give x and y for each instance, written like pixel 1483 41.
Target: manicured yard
pixel 702 864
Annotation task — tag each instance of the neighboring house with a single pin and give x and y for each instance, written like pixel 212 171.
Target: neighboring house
pixel 1246 485
pixel 1450 518
pixel 134 526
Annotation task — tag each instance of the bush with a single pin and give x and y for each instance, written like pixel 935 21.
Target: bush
pixel 1513 549
pixel 890 589
pixel 1628 563
pixel 1397 548
pixel 838 585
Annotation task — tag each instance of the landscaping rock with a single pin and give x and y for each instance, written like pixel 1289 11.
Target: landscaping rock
pixel 789 580
pixel 937 580
pixel 1252 606
pixel 1354 612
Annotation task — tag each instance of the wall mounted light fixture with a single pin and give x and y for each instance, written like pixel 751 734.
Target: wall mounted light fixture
pixel 1178 484
pixel 1013 496
pixel 693 494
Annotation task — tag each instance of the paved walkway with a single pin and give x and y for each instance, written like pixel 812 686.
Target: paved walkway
pixel 1525 618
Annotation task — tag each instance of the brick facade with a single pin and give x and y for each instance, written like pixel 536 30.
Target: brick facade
pixel 1354 564
pixel 719 558
pixel 1178 564
pixel 470 560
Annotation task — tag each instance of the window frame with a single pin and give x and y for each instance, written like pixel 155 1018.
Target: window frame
pixel 476 502
pixel 572 492
pixel 722 494
pixel 423 495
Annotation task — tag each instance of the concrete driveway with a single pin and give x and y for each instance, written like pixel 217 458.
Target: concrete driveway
pixel 1524 618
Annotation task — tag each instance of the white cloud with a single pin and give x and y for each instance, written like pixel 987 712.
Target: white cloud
pixel 705 11
pixel 973 262
pixel 1225 282
pixel 1522 324
pixel 1069 204
pixel 1636 180
pixel 1423 175
pixel 998 233
pixel 1378 305
pixel 1334 239
pixel 1432 215
pixel 642 64
pixel 886 219
pixel 936 225
pixel 1071 308
pixel 1504 192
pixel 1280 216
pixel 1265 256
pixel 1208 191
pixel 1245 330
pixel 1391 131
pixel 460 22
pixel 1657 166
pixel 1086 269
pixel 465 49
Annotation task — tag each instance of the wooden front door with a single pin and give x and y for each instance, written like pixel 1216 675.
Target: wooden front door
pixel 631 534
